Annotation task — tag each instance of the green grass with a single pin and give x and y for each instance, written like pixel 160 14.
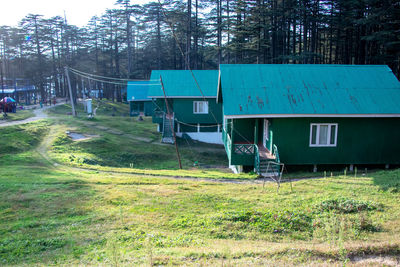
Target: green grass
pixel 120 144
pixel 107 215
pixel 15 139
pixel 68 216
pixel 19 115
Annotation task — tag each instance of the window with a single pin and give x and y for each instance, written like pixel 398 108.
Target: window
pixel 200 107
pixel 322 134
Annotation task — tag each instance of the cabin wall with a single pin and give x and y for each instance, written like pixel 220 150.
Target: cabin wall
pixel 183 108
pixel 148 108
pixel 141 106
pixel 242 133
pixel 243 130
pixel 359 141
pixel 201 127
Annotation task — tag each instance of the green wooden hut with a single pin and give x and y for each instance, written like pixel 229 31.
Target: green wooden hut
pixel 137 96
pixel 310 114
pixel 192 102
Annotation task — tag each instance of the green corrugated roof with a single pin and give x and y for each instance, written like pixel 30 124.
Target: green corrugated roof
pixel 309 89
pixel 180 83
pixel 138 90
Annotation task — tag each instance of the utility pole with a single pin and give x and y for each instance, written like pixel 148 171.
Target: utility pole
pixel 170 124
pixel 70 91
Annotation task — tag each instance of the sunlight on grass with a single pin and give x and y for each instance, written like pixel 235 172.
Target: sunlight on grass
pixel 19 115
pixel 95 209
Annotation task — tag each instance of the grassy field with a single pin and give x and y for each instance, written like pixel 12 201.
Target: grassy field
pixel 57 210
pixel 19 115
pixel 130 145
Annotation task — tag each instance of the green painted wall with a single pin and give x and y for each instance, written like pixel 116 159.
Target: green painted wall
pixel 243 133
pixel 244 130
pixel 359 140
pixel 148 108
pixel 141 106
pixel 183 109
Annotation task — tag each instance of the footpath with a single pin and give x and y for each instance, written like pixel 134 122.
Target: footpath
pixel 39 115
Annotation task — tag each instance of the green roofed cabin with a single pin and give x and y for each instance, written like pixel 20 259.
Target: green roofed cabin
pixel 312 114
pixel 139 102
pixel 192 102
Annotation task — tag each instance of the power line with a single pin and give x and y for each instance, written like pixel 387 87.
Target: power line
pixel 97 80
pixel 105 81
pixel 190 69
pixel 107 78
pixel 183 55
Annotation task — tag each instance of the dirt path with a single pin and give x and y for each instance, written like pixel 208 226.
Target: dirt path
pixel 45 145
pixel 39 115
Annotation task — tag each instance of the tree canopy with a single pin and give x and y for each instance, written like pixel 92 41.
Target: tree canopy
pixel 131 40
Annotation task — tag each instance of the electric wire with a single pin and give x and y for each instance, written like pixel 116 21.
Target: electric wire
pixel 183 55
pixel 188 66
pixel 109 82
pixel 105 77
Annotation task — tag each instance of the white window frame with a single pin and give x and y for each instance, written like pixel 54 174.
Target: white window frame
pixel 196 105
pixel 328 144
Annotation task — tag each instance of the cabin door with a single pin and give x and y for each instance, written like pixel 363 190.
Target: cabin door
pixel 266 134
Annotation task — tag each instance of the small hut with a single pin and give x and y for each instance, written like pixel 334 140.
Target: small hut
pixel 139 102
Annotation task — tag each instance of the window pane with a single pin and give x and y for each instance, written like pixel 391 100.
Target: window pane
pixel 333 134
pixel 201 107
pixel 195 107
pixel 323 135
pixel 314 135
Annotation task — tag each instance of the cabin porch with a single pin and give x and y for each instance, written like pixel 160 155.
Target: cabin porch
pixel 248 142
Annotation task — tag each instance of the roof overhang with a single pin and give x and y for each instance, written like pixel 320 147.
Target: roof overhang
pixel 396 115
pixel 183 96
pixel 137 100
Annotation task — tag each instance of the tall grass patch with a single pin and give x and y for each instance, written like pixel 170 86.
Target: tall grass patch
pixel 16 139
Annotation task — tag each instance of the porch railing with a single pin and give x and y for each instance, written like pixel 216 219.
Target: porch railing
pixel 244 149
pixel 276 154
pixel 256 160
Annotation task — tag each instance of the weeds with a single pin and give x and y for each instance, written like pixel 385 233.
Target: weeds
pixel 346 205
pixel 337 228
pixel 279 221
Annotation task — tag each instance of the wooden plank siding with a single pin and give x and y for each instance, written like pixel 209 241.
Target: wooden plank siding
pixel 183 110
pixel 359 140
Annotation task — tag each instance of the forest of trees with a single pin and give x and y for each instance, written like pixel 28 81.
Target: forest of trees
pixel 131 40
